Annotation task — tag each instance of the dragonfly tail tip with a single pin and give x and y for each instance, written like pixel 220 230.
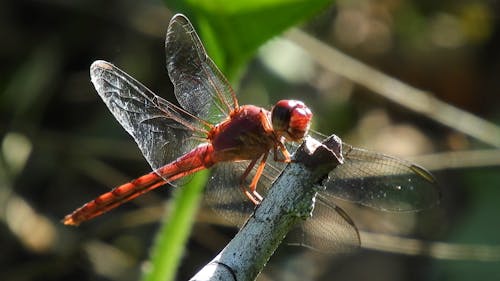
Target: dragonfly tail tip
pixel 68 220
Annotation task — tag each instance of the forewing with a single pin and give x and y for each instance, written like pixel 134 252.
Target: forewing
pixel 162 131
pixel 200 87
pixel 381 182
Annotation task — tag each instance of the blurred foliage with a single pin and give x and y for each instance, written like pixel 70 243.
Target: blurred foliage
pixel 233 30
pixel 60 146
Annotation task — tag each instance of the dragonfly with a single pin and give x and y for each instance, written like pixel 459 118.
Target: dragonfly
pixel 246 146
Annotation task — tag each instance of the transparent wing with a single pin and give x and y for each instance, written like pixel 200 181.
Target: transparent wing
pixel 200 87
pixel 372 179
pixel 381 182
pixel 329 230
pixel 223 192
pixel 162 130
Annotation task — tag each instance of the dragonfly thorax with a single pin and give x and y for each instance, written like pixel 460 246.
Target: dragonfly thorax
pixel 243 136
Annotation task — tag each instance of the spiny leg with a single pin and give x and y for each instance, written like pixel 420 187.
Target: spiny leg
pixel 256 177
pixel 287 158
pixel 243 187
pixel 268 128
pixel 266 124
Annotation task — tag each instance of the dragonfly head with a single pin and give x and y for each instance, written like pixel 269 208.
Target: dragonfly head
pixel 291 119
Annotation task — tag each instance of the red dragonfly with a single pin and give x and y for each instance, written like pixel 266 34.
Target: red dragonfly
pixel 212 129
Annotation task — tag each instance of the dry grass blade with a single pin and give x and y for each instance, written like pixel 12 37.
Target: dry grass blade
pixel 397 91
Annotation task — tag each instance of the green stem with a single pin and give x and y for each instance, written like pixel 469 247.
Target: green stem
pixel 171 239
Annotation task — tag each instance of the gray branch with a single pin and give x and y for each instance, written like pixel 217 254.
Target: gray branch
pixel 290 199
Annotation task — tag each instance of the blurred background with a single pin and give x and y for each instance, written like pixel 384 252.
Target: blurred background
pixel 389 75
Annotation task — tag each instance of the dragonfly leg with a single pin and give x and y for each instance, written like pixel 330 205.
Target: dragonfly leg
pixel 286 155
pixel 266 123
pixel 255 201
pixel 269 129
pixel 256 177
pixel 251 190
pixel 243 186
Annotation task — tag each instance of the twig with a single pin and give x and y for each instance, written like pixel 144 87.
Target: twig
pixel 437 250
pixel 458 159
pixel 289 200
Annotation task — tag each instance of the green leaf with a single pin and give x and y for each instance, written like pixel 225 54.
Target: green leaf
pixel 171 239
pixel 232 31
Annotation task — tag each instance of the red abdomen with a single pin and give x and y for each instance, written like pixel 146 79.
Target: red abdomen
pixel 197 159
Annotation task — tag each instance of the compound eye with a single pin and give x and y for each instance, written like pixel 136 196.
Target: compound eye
pixel 291 119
